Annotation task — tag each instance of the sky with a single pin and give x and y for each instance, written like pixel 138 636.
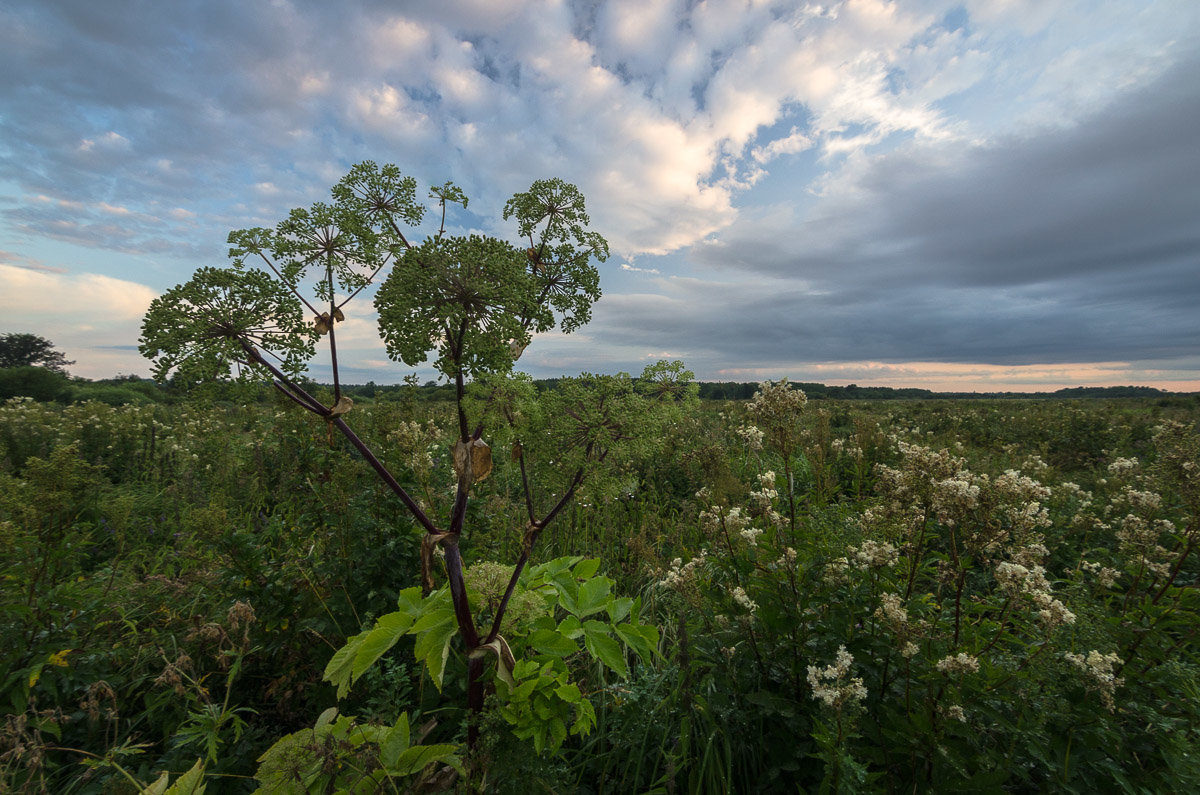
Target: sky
pixel 975 195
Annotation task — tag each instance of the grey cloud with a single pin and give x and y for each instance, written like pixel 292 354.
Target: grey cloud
pixel 1070 245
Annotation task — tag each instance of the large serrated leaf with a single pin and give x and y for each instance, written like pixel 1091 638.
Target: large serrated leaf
pixel 605 649
pixel 549 641
pixel 618 609
pixel 642 638
pixel 340 668
pixel 396 742
pixel 568 592
pixel 434 632
pixel 586 569
pixel 383 636
pixel 415 759
pixel 190 783
pixel 571 627
pixel 593 596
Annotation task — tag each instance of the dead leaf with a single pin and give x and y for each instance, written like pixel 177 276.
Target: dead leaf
pixel 474 458
pixel 343 405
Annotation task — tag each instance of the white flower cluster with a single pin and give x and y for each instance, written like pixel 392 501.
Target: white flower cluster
pixel 959 664
pixel 1015 579
pixel 742 598
pixel 1142 500
pixel 833 685
pixel 955 712
pixel 892 612
pixel 777 400
pixel 717 521
pixel 762 499
pixel 1023 498
pixel 680 573
pixel 1121 465
pixel 873 555
pixel 954 496
pixel 418 442
pixel 1138 538
pixel 752 436
pixel 1099 668
pixel 836 571
pixel 846 447
pixel 1104 575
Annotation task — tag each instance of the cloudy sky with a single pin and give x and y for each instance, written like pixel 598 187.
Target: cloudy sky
pixel 978 194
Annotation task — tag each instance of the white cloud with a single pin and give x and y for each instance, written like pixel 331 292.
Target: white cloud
pixel 83 314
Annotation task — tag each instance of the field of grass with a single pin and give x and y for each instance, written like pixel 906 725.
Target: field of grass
pixel 843 596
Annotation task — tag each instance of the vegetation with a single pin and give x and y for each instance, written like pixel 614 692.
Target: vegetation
pixel 30 350
pixel 643 594
pixel 177 581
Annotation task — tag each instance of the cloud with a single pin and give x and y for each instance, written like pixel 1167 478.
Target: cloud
pixel 1078 244
pixel 14 260
pixel 991 181
pixel 88 316
pixel 625 266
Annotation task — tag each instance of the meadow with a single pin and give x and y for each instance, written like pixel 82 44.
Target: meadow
pixel 776 595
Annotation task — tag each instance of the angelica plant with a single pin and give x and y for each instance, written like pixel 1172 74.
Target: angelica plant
pixel 469 305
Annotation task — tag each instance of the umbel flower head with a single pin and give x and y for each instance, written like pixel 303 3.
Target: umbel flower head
pixel 201 329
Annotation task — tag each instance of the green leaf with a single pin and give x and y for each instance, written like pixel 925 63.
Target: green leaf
pixel 362 650
pixel 586 569
pixel 605 649
pixel 641 638
pixel 569 693
pixel 415 759
pixel 410 601
pixel 549 641
pixel 593 596
pixel 619 608
pixel 190 783
pixel 571 627
pixel 339 670
pixel 568 592
pixel 396 742
pixel 388 630
pixel 585 718
pixel 325 718
pixel 434 632
pixel 159 785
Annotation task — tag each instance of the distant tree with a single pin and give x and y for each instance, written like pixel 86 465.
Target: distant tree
pixel 26 350
pixel 38 383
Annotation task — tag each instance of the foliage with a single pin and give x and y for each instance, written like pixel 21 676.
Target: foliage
pixel 38 383
pixel 30 350
pixel 144 526
pixel 340 754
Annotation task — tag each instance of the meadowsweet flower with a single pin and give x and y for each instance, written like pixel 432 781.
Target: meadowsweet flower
pixel 833 686
pixel 836 571
pixel 751 435
pixel 1105 576
pixel 1121 465
pixel 681 574
pixel 751 534
pixel 743 599
pixel 1099 669
pixel 873 555
pixel 1011 577
pixel 955 712
pixel 961 663
pixel 1054 613
pixel 892 612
